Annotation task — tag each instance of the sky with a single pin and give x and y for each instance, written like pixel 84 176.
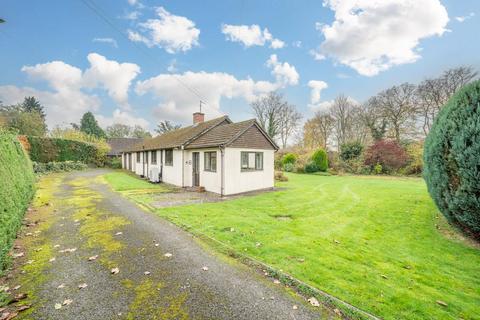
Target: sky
pixel 141 62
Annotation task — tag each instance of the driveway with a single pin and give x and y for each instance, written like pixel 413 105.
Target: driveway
pixel 80 231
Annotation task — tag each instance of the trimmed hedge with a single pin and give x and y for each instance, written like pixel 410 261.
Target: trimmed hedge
pixel 452 159
pixel 16 190
pixel 46 150
pixel 41 168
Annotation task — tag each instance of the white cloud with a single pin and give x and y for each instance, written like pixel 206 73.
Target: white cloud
pixel 66 100
pixel 133 15
pixel 317 86
pixel 317 55
pixel 285 74
pixel 251 36
pixel 171 32
pixel 132 2
pixel 177 103
pixel 464 18
pixel 113 76
pixel 371 36
pixel 297 44
pixel 111 41
pixel 172 66
pixel 122 117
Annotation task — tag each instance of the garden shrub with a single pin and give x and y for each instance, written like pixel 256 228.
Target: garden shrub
pixel 16 190
pixel 311 167
pixel 114 163
pixel 41 168
pixel 289 158
pixel 289 167
pixel 378 169
pixel 351 150
pixel 389 154
pixel 57 150
pixel 452 159
pixel 279 176
pixel 320 159
pixel 415 158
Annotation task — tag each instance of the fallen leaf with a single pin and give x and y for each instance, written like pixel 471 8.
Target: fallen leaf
pixel 146 273
pixel 66 302
pixel 18 255
pixel 314 302
pixel 168 254
pixel 82 286
pixel 384 276
pixel 29 234
pixel 76 220
pixel 51 259
pixel 16 287
pixel 295 307
pixel 157 244
pixel 232 229
pixel 24 307
pixel 38 249
pixel 205 268
pixel 8 315
pixel 119 233
pixel 336 241
pixel 61 286
pixel 30 262
pixel 442 303
pixel 56 246
pixel 337 312
pixel 4 288
pixel 276 281
pixel 93 257
pixel 58 306
pixel 115 270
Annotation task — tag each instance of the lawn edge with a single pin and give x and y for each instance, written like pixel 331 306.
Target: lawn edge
pixel 305 290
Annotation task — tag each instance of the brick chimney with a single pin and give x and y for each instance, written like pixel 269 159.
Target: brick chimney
pixel 198 117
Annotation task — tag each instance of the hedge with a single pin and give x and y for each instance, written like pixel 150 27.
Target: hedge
pixel 40 168
pixel 46 150
pixel 16 190
pixel 452 159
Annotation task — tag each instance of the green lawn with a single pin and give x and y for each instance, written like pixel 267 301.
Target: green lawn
pixel 122 181
pixel 371 241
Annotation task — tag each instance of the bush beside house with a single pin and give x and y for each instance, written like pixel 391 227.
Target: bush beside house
pixel 16 189
pixel 46 150
pixel 452 159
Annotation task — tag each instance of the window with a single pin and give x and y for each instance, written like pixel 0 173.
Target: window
pixel 210 162
pixel 145 154
pixel 138 157
pixel 154 157
pixel 169 157
pixel 251 161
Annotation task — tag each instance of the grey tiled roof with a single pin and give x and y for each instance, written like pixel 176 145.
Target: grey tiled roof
pixel 117 145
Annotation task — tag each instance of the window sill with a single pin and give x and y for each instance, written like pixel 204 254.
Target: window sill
pixel 214 171
pixel 250 170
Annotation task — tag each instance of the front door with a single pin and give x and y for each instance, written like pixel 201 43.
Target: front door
pixel 196 168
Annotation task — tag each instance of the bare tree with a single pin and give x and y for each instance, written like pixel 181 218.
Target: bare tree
pixel 399 108
pixel 343 114
pixel 318 130
pixel 370 114
pixel 289 119
pixel 166 126
pixel 268 111
pixel 433 94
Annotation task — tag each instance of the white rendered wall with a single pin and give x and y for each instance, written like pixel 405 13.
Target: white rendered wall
pixel 238 181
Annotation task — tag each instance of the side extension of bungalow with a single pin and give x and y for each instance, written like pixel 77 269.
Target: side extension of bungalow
pixel 223 157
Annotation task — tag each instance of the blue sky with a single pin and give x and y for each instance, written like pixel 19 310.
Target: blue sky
pixel 136 68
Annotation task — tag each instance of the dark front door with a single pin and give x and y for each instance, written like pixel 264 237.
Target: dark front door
pixel 196 168
pixel 129 161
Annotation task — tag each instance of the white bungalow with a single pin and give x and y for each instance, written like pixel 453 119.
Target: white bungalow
pixel 222 157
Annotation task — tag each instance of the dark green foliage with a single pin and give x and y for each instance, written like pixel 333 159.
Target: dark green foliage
pixel 114 163
pixel 57 150
pixel 311 167
pixel 41 168
pixel 30 104
pixel 21 121
pixel 289 167
pixel 452 159
pixel 16 190
pixel 351 150
pixel 289 158
pixel 89 125
pixel 320 158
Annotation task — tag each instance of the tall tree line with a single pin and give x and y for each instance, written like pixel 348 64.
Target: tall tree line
pixel 401 112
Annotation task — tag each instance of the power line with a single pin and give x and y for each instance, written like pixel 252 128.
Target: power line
pixel 102 15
